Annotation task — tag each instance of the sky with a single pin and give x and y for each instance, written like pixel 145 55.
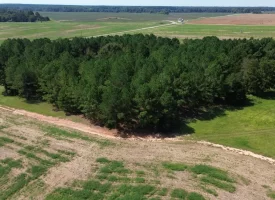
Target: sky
pixel 151 2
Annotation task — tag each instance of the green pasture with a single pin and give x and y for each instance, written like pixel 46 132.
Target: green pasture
pixel 37 107
pixel 68 25
pixel 55 29
pixel 123 17
pixel 251 128
pixel 221 31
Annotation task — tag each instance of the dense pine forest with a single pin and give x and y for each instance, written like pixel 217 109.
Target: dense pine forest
pixel 137 9
pixel 137 81
pixel 7 15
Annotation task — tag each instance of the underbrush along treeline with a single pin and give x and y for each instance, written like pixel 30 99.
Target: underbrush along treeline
pixel 137 81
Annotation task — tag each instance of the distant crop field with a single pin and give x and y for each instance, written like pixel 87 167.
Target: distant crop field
pixel 221 31
pixel 124 17
pixel 54 29
pixel 68 25
pixel 239 19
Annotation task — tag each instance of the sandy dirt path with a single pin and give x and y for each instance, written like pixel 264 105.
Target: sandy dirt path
pixel 112 134
pixel 134 30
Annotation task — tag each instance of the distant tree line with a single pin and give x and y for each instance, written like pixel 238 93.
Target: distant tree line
pixel 137 9
pixel 7 15
pixel 137 81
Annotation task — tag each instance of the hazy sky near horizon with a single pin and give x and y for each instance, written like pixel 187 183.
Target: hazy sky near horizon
pixel 151 3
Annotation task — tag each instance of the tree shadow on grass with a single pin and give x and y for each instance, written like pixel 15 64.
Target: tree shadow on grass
pixel 270 95
pixel 181 126
pixel 33 101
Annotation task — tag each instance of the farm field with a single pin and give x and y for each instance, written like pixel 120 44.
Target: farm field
pixel 239 19
pixel 68 25
pixel 124 17
pixel 55 30
pixel 40 161
pixel 48 154
pixel 221 31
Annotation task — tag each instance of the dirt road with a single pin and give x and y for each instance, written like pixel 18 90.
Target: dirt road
pixel 140 29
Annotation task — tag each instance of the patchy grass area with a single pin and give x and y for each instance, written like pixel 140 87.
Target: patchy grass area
pixel 207 175
pixel 29 153
pixel 174 166
pixel 271 194
pixel 42 162
pixel 114 181
pixel 250 128
pixel 33 168
pixel 63 134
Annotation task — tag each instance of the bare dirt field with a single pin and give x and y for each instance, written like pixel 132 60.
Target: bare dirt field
pixel 238 19
pixel 42 161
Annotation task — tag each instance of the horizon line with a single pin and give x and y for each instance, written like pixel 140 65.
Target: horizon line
pixel 136 5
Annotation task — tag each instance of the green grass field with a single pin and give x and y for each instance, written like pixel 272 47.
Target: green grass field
pixel 221 31
pixel 68 25
pixel 251 128
pixel 54 29
pixel 20 103
pixel 124 17
pixel 41 107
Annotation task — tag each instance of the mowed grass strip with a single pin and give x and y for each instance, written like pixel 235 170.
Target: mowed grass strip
pixel 61 133
pixel 250 128
pixel 222 31
pixel 37 107
pixel 174 166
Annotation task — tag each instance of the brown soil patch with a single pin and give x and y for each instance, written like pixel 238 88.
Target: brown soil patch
pixel 83 27
pixel 144 152
pixel 241 19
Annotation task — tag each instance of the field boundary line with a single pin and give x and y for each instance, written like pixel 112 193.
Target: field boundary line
pixel 238 151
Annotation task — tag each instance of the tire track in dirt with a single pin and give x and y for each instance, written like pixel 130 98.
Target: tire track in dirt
pixel 109 134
